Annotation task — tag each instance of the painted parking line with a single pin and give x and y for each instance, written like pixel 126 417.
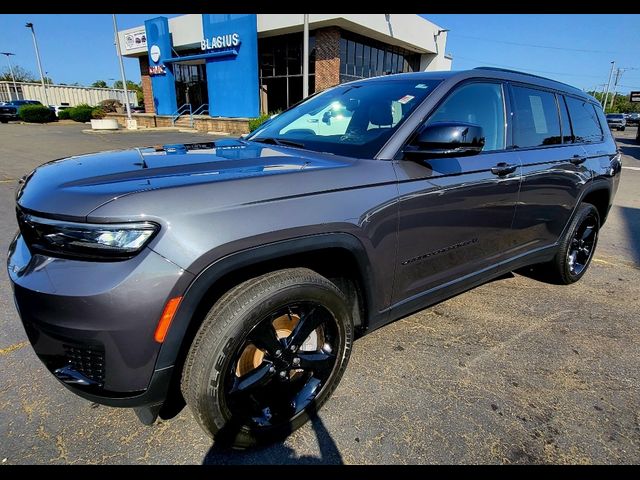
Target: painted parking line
pixel 12 348
pixel 637 169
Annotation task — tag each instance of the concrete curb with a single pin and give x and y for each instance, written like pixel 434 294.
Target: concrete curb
pixel 139 130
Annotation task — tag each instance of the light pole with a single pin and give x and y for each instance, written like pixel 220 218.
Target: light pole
pixel 15 87
pixel 35 44
pixel 124 78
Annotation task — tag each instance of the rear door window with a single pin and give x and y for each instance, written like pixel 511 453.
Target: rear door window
pixel 536 121
pixel 584 118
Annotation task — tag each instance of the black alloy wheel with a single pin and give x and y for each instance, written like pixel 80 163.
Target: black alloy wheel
pixel 267 356
pixel 575 249
pixel 282 365
pixel 582 245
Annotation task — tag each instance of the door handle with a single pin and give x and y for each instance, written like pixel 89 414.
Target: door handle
pixel 578 159
pixel 502 169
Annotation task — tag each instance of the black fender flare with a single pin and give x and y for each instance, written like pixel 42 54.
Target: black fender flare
pixel 196 291
pixel 592 186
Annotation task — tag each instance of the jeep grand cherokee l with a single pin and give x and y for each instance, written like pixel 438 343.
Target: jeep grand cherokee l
pixel 234 275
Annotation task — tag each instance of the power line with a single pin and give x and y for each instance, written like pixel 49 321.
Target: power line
pixel 536 46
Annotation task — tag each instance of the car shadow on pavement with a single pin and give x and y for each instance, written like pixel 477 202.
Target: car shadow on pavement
pixel 279 453
pixel 629 146
pixel 631 218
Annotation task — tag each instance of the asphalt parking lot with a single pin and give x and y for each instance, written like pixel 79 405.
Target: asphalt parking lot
pixel 515 371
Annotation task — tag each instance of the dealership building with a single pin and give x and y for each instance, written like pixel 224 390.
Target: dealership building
pixel 240 65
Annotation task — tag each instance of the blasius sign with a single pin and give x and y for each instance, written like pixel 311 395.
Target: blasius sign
pixel 221 41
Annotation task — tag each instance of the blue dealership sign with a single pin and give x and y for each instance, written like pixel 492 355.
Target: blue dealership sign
pixel 162 78
pixel 232 68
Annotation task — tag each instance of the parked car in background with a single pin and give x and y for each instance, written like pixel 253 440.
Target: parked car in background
pixel 58 108
pixel 617 121
pixel 138 109
pixel 633 119
pixel 9 110
pixel 236 274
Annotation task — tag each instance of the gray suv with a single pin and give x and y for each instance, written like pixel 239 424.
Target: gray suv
pixel 617 121
pixel 235 275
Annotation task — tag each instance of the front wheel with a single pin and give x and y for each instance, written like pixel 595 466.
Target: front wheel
pixel 267 356
pixel 577 247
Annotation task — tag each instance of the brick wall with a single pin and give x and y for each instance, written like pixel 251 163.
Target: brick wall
pixel 327 58
pixel 149 105
pixel 232 126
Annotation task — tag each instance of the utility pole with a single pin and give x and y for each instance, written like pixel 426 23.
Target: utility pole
pixel 15 87
pixel 606 95
pixel 124 78
pixel 305 57
pixel 35 44
pixel 615 85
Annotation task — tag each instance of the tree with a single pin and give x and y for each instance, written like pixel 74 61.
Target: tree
pixel 20 74
pixel 100 84
pixel 48 80
pixel 621 103
pixel 136 87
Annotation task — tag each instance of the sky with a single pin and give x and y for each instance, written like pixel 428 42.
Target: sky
pixel 575 49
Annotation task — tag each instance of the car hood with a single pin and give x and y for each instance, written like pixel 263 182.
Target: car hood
pixel 75 186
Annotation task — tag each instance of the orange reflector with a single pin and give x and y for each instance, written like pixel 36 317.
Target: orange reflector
pixel 166 318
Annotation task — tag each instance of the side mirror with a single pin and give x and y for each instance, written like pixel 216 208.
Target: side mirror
pixel 447 139
pixel 326 118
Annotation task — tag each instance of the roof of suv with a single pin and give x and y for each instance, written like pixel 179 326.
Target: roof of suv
pixel 487 72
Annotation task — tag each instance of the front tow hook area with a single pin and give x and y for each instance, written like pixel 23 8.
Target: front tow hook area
pixel 73 377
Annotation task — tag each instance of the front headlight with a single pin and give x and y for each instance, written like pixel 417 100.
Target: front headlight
pixel 89 241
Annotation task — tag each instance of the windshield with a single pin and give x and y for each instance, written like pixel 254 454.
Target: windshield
pixel 351 120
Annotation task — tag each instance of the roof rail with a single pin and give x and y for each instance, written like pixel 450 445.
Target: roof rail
pixel 524 73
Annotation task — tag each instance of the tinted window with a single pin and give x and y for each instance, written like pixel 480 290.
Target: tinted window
pixel 567 137
pixel 584 119
pixel 536 119
pixel 478 103
pixel 353 120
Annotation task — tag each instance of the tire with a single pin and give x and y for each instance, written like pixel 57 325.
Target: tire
pixel 561 270
pixel 235 325
pixel 623 129
pixel 4 121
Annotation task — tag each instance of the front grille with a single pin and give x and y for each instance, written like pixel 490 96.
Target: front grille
pixel 87 361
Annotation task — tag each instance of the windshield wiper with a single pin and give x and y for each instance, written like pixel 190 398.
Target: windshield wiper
pixel 279 141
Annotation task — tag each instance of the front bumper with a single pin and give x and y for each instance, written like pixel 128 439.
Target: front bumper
pixel 92 323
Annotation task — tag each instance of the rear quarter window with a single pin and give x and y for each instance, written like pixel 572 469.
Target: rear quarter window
pixel 584 119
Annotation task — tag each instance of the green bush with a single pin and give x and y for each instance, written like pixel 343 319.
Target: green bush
pixel 254 123
pixel 98 112
pixel 36 114
pixel 81 113
pixel 64 114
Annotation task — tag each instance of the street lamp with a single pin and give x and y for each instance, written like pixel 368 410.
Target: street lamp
pixel 29 25
pixel 15 87
pixel 124 78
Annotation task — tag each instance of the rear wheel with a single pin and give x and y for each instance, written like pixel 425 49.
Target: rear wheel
pixel 267 356
pixel 577 247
